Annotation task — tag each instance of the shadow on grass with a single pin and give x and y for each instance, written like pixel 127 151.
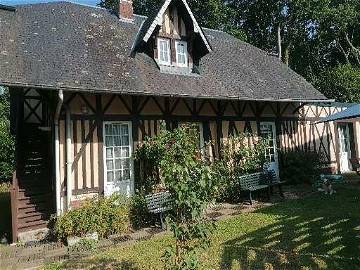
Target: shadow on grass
pixel 5 211
pixel 98 263
pixel 321 232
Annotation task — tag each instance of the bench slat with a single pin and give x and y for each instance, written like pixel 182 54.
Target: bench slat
pixel 156 202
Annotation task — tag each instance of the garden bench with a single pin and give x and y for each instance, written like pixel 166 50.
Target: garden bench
pixel 333 178
pixel 253 182
pixel 275 181
pixel 158 203
pixel 355 165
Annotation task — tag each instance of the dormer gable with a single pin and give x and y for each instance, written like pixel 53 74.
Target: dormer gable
pixel 173 38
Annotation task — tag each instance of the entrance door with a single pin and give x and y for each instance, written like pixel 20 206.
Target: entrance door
pixel 268 131
pixel 344 145
pixel 117 158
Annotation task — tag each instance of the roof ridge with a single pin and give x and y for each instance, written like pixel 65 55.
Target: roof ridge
pixel 60 2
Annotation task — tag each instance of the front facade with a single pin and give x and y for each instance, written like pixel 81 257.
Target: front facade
pixel 84 101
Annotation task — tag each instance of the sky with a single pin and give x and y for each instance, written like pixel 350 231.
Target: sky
pixel 21 2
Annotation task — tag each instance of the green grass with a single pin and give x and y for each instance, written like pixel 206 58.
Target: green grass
pixel 318 232
pixel 5 210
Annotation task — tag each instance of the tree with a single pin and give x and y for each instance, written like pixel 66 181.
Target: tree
pixel 189 179
pixel 341 83
pixel 213 14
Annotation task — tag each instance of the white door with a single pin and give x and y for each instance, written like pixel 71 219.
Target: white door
pixel 117 158
pixel 268 131
pixel 344 145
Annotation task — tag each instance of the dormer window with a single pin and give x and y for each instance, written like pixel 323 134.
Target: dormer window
pixel 181 53
pixel 164 51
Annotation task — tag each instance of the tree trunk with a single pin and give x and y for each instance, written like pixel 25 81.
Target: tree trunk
pixel 279 42
pixel 356 51
pixel 287 55
pixel 341 49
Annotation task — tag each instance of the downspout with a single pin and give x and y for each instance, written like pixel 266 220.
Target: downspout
pixel 69 162
pixel 57 154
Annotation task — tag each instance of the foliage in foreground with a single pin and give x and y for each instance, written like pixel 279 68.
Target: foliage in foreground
pixel 240 154
pixel 189 179
pixel 5 213
pixel 300 167
pixel 105 216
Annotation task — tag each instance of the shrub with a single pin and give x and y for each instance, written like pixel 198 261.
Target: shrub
pixel 191 185
pixel 105 216
pixel 139 213
pixel 238 157
pixel 148 157
pixel 179 167
pixel 7 144
pixel 300 166
pixel 84 245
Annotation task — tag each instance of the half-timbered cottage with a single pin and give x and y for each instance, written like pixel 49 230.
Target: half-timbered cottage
pixel 87 86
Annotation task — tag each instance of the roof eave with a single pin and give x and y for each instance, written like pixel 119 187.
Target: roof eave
pixel 126 92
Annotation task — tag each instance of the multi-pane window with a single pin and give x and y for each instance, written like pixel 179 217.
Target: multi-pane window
pixel 267 132
pixel 118 152
pixel 181 53
pixel 164 51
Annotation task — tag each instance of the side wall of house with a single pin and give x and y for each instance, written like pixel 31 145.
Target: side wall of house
pixel 220 119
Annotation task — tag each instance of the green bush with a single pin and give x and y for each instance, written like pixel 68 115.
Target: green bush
pixel 84 245
pixel 139 213
pixel 105 216
pixel 300 167
pixel 7 144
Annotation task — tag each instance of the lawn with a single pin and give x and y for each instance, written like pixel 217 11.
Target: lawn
pixel 317 232
pixel 5 212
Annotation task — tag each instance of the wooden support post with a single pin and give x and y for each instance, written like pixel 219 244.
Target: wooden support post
pixel 99 124
pixel 135 135
pixel 14 191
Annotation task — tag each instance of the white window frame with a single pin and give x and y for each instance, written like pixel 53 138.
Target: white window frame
pixel 131 146
pixel 168 63
pixel 185 54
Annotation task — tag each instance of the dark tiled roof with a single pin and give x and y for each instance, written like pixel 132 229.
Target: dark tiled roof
pixel 75 47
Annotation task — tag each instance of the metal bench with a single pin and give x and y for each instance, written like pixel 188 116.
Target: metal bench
pixel 355 163
pixel 333 178
pixel 254 182
pixel 275 181
pixel 158 203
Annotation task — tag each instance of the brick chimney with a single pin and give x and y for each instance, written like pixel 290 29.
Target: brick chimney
pixel 126 11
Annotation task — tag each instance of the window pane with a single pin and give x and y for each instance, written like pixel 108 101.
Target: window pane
pixel 180 48
pixel 125 152
pixel 116 130
pixel 181 59
pixel 125 140
pixel 124 130
pixel 109 165
pixel 164 51
pixel 118 176
pixel 109 141
pixel 110 176
pixel 108 129
pixel 117 141
pixel 125 163
pixel 109 153
pixel 117 151
pixel 126 174
pixel 118 164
